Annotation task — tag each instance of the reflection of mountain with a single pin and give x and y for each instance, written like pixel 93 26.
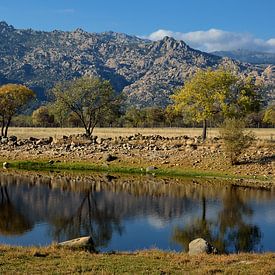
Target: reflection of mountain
pixel 93 205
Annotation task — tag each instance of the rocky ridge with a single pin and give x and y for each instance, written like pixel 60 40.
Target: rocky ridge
pixel 146 72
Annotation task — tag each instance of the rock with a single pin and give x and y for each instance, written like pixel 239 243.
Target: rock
pixel 151 168
pixel 110 157
pixel 6 165
pixel 4 140
pixel 80 243
pixel 200 246
pixel 13 138
pixel 51 161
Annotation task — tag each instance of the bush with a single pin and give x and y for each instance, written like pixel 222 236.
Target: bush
pixel 235 138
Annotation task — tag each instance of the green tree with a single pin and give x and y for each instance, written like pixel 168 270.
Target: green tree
pixel 235 139
pixel 135 117
pixel 42 117
pixel 154 116
pixel 88 97
pixel 269 115
pixel 13 98
pixel 210 93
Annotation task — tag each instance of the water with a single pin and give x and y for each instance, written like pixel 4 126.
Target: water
pixel 130 213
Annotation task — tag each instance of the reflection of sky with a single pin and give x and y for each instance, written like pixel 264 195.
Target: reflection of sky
pixel 142 228
pixel 39 235
pixel 154 232
pixel 264 217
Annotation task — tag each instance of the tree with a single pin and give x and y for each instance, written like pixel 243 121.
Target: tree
pixel 210 93
pixel 235 139
pixel 42 117
pixel 13 98
pixel 88 97
pixel 135 117
pixel 269 115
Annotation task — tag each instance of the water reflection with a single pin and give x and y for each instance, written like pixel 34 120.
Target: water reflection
pixel 228 231
pixel 132 213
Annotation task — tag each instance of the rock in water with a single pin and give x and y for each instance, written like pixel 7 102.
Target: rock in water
pixel 199 246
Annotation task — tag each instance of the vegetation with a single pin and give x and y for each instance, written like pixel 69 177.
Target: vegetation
pixel 235 139
pixel 56 260
pixel 269 115
pixel 211 93
pixel 88 98
pixel 13 98
pixel 42 117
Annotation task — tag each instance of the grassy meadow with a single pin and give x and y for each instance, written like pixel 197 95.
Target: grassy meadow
pixel 52 260
pixel 22 132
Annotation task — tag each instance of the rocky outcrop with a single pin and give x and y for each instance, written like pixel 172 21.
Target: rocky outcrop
pixel 146 72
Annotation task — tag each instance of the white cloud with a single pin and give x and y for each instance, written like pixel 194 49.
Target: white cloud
pixel 217 40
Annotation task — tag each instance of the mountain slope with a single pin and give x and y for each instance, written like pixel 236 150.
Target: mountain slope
pixel 147 72
pixel 248 56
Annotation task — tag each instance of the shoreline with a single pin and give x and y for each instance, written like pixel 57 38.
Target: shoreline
pixel 260 182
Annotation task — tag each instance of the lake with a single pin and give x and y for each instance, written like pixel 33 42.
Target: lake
pixel 134 212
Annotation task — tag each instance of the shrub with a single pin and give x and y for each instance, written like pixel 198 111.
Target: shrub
pixel 235 138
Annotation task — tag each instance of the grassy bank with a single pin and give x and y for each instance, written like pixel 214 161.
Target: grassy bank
pixel 115 168
pixel 63 260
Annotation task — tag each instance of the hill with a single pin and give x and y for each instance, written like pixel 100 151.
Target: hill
pixel 147 72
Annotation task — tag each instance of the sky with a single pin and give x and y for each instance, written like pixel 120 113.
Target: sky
pixel 207 25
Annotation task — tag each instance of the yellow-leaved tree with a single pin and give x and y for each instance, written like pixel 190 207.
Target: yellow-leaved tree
pixel 212 92
pixel 13 97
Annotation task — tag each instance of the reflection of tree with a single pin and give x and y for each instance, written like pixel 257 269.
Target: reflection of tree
pixel 239 235
pixel 12 222
pixel 89 219
pixel 229 233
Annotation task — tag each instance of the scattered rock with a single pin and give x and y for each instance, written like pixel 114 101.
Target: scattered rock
pixel 200 246
pixel 51 161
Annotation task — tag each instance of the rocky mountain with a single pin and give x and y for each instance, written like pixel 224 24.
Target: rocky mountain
pixel 146 72
pixel 248 56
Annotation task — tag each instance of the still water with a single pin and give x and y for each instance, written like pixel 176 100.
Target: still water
pixel 129 213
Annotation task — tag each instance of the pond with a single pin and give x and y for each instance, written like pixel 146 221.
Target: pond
pixel 137 212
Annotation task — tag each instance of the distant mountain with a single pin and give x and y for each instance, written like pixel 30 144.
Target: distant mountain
pixel 248 56
pixel 147 72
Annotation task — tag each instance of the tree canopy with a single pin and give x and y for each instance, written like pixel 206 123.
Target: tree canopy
pixel 211 92
pixel 13 97
pixel 88 97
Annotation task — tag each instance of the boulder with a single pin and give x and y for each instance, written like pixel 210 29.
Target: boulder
pixel 200 246
pixel 151 168
pixel 110 157
pixel 80 243
pixel 6 165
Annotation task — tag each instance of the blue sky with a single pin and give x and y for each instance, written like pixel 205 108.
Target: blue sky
pixel 205 24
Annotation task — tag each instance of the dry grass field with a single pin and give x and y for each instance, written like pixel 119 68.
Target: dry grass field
pixel 266 133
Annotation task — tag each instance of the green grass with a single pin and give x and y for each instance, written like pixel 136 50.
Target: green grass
pixel 114 168
pixel 53 260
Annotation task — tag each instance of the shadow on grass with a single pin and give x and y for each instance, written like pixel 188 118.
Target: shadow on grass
pixel 261 160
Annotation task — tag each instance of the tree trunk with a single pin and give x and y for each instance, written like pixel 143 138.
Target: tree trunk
pixel 203 208
pixel 2 129
pixel 7 127
pixel 204 130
